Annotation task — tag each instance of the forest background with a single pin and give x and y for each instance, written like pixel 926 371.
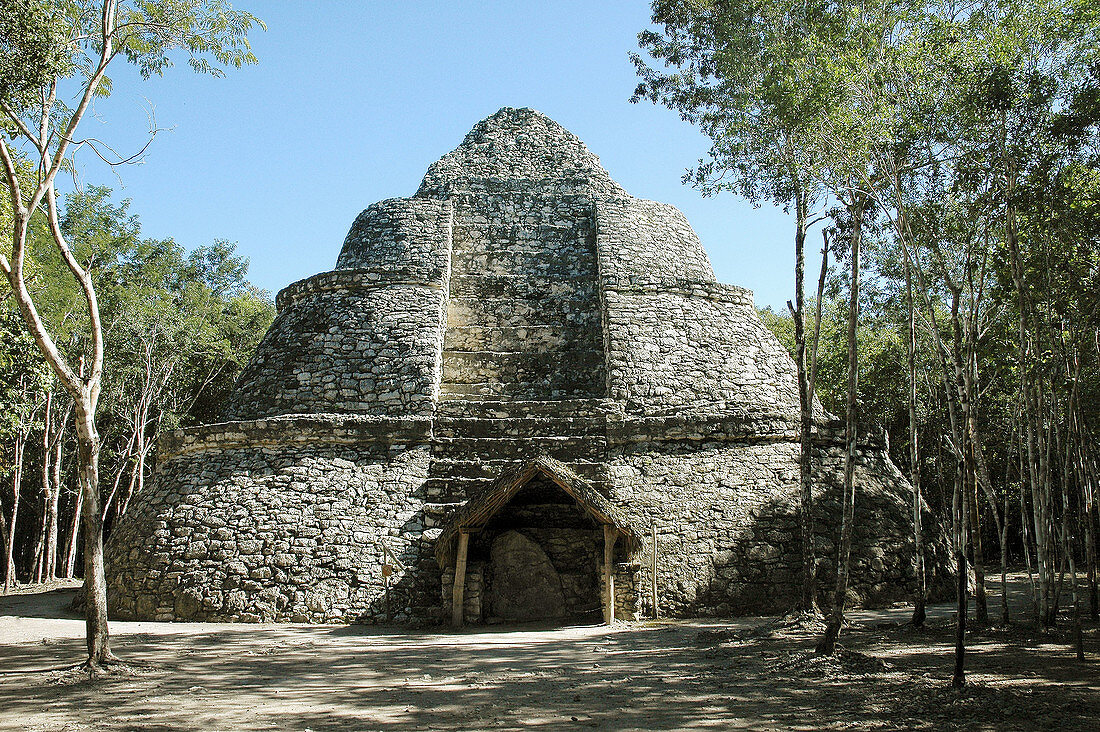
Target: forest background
pixel 948 153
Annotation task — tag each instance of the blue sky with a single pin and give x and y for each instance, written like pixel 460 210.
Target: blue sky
pixel 351 101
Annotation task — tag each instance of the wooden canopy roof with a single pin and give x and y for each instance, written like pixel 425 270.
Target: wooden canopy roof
pixel 480 508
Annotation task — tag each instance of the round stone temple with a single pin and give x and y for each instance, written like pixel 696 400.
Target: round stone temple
pixel 521 394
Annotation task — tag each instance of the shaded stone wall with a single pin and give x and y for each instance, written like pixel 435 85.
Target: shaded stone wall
pixel 401 237
pixel 667 349
pixel 365 338
pixel 286 519
pixel 674 337
pixel 728 538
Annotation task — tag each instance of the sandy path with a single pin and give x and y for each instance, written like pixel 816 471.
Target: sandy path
pixel 732 674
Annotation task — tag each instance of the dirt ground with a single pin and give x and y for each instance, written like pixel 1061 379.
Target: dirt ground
pixel 745 673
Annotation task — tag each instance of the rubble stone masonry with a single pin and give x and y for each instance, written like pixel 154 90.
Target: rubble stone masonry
pixel 521 303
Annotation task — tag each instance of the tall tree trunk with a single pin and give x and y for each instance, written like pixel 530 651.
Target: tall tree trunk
pixel 958 680
pixel 1088 487
pixel 53 538
pixel 40 551
pixel 74 533
pixel 4 533
pixel 914 452
pixel 1000 519
pixel 808 597
pixel 1044 514
pixel 970 497
pixel 16 489
pixel 1025 539
pixel 827 645
pixel 95 581
pixel 1067 549
pixel 1004 537
pixel 39 561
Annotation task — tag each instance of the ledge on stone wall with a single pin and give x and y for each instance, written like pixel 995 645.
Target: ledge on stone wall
pixel 359 279
pixel 716 291
pixel 295 429
pixel 733 426
pixel 299 429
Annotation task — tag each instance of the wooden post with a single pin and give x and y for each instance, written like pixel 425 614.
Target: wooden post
pixel 386 584
pixel 653 575
pixel 609 537
pixel 460 580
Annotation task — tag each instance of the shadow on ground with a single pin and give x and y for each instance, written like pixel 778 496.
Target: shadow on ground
pixel 751 673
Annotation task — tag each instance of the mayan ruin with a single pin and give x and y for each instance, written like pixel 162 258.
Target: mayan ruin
pixel 518 372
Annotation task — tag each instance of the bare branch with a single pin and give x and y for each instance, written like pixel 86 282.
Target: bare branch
pixel 84 279
pixel 23 129
pixel 13 182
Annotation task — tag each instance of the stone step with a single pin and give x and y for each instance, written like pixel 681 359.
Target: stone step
pixel 453 489
pixel 456 491
pixel 563 370
pixel 487 390
pixel 503 262
pixel 444 468
pixel 522 286
pixel 508 409
pixel 503 312
pixel 520 427
pixel 527 337
pixel 560 256
pixel 566 449
pixel 454 468
pixel 437 514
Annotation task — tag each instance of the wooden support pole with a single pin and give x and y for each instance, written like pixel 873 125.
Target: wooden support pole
pixel 460 580
pixel 653 574
pixel 609 537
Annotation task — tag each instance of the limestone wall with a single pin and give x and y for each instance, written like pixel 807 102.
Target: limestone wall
pixel 523 318
pixel 641 239
pixel 518 150
pixel 349 347
pixel 365 338
pixel 288 534
pixel 727 525
pixel 675 338
pixel 286 518
pixel 669 350
pixel 401 237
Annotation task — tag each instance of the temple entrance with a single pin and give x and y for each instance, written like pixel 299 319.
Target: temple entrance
pixel 538 545
pixel 541 551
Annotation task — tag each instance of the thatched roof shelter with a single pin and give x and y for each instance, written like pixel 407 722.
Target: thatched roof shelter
pixel 479 509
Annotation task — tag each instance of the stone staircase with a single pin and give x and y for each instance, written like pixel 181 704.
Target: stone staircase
pixel 475 441
pixel 523 317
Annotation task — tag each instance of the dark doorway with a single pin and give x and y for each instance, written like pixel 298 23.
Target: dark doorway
pixel 541 554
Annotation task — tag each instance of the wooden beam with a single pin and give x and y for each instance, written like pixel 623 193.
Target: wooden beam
pixel 653 573
pixel 610 534
pixel 460 580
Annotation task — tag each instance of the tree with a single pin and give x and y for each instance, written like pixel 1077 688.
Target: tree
pixel 743 73
pixel 23 386
pixel 85 38
pixel 781 88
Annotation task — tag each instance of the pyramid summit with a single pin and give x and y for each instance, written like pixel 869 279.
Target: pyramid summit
pixel 508 385
pixel 515 149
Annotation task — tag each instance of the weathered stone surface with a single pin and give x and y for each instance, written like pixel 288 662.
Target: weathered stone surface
pixel 521 303
pixel 525 585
